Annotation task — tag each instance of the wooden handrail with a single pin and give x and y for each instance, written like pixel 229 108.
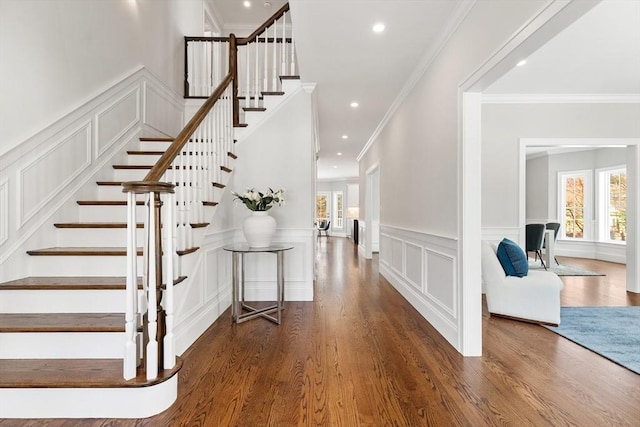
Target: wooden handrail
pixel 179 142
pixel 267 24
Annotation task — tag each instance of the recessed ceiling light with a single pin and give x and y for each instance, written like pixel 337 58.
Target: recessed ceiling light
pixel 247 3
pixel 345 136
pixel 378 27
pixel 521 63
pixel 339 154
pixel 354 104
pixel 335 167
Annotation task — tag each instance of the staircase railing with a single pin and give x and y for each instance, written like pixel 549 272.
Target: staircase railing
pixel 182 182
pixel 263 58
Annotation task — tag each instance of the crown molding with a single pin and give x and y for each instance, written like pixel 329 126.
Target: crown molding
pixel 559 98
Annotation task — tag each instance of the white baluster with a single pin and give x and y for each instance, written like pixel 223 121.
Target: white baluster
pixel 169 227
pixel 293 53
pixel 152 315
pixel 247 95
pixel 190 71
pixel 283 69
pixel 131 327
pixel 265 84
pixel 257 76
pixel 182 204
pixel 274 86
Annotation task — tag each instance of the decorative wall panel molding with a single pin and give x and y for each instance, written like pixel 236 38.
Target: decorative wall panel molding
pixel 4 211
pixel 160 110
pixel 48 174
pixel 423 268
pixel 117 118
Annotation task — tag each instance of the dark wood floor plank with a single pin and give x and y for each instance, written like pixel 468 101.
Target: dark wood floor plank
pixel 360 355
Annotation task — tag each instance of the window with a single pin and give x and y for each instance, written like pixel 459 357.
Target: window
pixel 574 194
pixel 338 213
pixel 613 205
pixel 323 208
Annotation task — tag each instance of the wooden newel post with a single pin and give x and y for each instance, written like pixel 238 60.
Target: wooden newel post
pixel 233 70
pixel 160 313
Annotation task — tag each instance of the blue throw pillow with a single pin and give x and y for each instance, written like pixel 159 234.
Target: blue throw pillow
pixel 512 258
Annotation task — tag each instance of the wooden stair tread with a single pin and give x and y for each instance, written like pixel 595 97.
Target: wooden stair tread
pixel 112 183
pixel 61 322
pixel 82 251
pixel 218 185
pixel 95 225
pixel 144 153
pixel 273 93
pixel 93 251
pixel 240 125
pixel 225 169
pixel 72 283
pixel 75 225
pixel 260 109
pixel 290 77
pixel 65 283
pixel 156 139
pixel 107 202
pixel 230 154
pixel 76 373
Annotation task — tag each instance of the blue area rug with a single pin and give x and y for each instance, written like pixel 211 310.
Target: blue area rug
pixel 612 332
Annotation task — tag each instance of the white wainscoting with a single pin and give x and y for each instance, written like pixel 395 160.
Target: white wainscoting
pixel 423 268
pixel 593 250
pixel 42 176
pixel 206 293
pixel 4 210
pixel 260 269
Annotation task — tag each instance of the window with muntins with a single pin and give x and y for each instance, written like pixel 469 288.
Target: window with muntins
pixel 575 188
pixel 613 205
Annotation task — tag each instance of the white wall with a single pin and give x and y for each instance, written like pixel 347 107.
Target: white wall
pixel 504 124
pixel 55 55
pixel 265 160
pixel 418 153
pixel 537 180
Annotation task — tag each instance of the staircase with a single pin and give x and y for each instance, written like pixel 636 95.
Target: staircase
pixel 66 334
pixel 62 331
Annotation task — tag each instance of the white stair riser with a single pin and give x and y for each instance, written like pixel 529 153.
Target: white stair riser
pixel 272 101
pixel 62 345
pixel 142 159
pixel 153 146
pixel 126 175
pixel 117 402
pixel 289 86
pixel 95 213
pixel 63 301
pixel 113 192
pixel 107 237
pixel 80 266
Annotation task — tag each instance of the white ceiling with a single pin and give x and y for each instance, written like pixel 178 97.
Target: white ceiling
pixel 337 49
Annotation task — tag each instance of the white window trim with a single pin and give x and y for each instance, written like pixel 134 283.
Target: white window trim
pixel 602 202
pixel 334 213
pixel 588 204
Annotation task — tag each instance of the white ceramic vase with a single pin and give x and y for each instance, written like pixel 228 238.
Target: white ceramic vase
pixel 259 229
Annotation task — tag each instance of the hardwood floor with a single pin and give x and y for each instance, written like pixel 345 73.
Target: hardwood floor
pixel 360 355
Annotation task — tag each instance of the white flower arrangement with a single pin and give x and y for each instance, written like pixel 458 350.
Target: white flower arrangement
pixel 256 200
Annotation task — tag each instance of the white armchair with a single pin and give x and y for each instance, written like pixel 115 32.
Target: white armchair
pixel 533 298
